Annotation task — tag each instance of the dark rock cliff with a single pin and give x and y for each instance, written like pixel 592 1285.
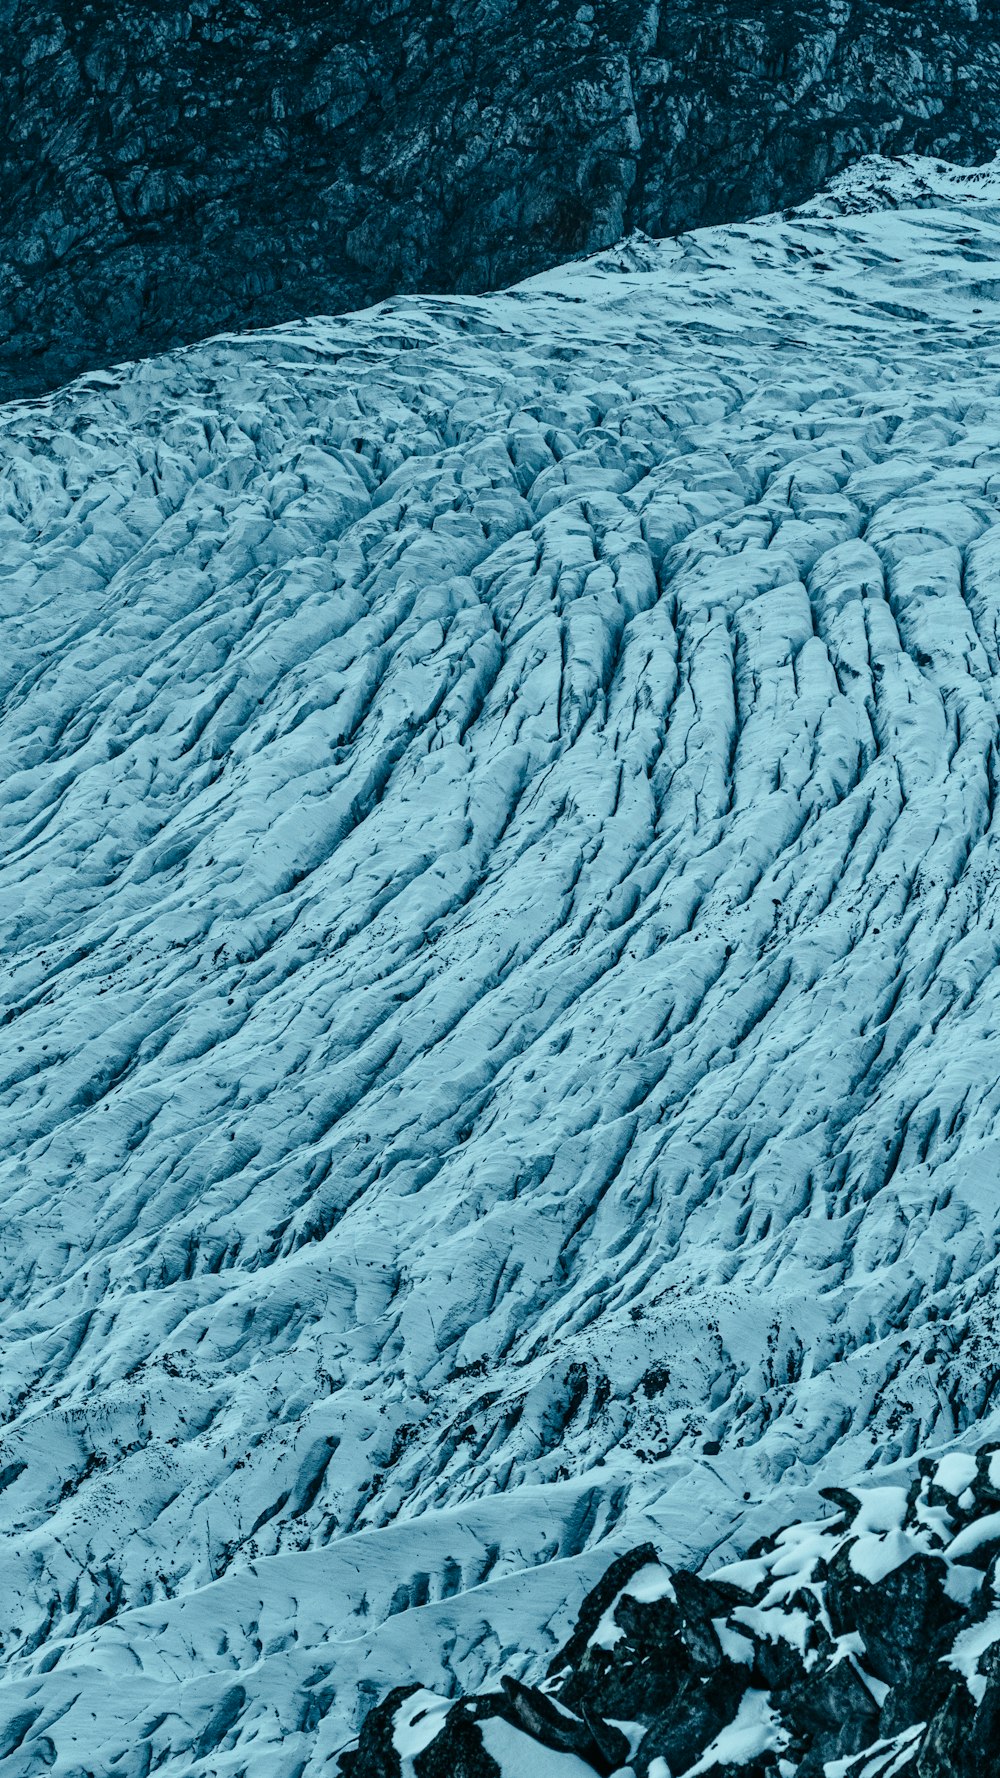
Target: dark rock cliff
pixel 167 172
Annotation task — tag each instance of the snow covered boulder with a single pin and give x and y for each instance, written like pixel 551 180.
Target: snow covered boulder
pixel 863 1644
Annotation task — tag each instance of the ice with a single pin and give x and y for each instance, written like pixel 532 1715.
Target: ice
pixel 498 978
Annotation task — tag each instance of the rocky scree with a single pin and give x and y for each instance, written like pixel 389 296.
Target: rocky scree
pixel 167 172
pixel 862 1645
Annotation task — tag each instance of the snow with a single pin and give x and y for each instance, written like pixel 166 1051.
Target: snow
pixel 419 1718
pixel 967 1648
pixel 883 1759
pixel 955 1472
pixel 734 1644
pixel 755 1729
pixel 962 1584
pixel 647 1585
pixel 650 1584
pixel 498 897
pixel 790 1625
pixel 877 1545
pixel 518 1756
pixel 882 1545
pixel 984 1531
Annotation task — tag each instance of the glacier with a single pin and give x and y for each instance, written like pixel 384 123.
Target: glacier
pixel 500 962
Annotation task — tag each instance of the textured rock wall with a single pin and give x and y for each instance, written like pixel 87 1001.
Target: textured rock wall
pixel 165 173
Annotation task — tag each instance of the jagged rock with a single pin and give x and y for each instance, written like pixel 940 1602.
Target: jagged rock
pixel 985 1490
pixel 985 1735
pixel 602 1746
pixel 851 1645
pixel 611 1744
pixel 845 1499
pixel 777 1663
pixel 458 1751
pixel 641 1674
pixel 698 1709
pixel 598 1601
pixel 699 1603
pixel 166 172
pixel 658 1642
pixel 831 1712
pixel 375 1755
pixel 902 1617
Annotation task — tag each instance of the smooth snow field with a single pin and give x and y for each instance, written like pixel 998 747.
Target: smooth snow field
pixel 499 963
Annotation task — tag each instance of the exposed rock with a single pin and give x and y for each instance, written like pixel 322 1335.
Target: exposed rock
pixel 902 1616
pixel 699 1709
pixel 599 1743
pixel 599 1600
pixel 458 1751
pixel 375 1752
pixel 895 1665
pixel 167 172
pixel 832 1714
pixel 699 1603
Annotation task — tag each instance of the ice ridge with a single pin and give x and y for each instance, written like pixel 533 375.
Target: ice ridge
pixel 498 963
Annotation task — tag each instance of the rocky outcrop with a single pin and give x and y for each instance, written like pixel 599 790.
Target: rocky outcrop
pixel 869 1639
pixel 166 172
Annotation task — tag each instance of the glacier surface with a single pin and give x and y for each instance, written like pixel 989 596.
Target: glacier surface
pixel 499 962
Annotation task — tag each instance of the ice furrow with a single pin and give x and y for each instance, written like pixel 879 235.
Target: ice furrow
pixel 497 965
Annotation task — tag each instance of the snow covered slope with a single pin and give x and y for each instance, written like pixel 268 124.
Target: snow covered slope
pixel 499 930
